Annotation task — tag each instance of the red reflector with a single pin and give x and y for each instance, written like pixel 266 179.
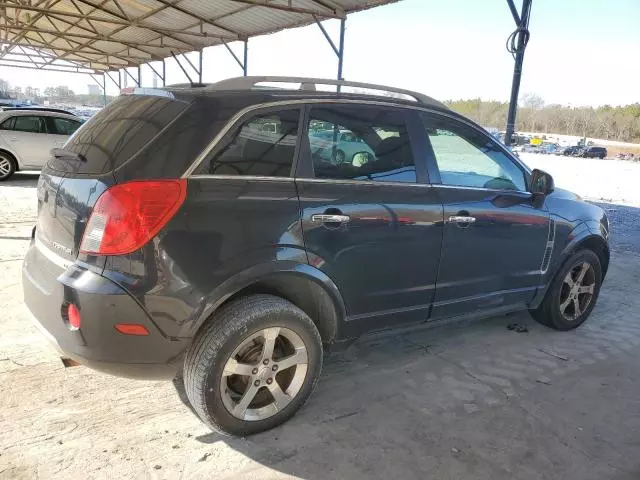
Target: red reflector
pixel 128 215
pixel 73 314
pixel 132 329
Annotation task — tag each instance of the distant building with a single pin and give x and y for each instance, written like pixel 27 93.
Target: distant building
pixel 94 89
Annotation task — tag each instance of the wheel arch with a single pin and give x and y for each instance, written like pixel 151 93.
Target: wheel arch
pixel 583 238
pixel 597 245
pixel 303 285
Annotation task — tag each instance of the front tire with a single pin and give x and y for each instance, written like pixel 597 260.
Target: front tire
pixel 253 365
pixel 572 294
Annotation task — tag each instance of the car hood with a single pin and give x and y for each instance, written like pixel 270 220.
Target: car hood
pixel 561 193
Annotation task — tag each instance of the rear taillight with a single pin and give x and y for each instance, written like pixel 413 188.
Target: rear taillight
pixel 128 215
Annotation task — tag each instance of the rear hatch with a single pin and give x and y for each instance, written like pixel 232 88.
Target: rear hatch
pixel 76 176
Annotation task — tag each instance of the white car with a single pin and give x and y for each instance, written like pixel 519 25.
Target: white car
pixel 27 136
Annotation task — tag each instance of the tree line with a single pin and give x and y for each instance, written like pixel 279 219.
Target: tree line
pixel 58 94
pixel 620 123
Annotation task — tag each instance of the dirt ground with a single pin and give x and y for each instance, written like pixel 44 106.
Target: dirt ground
pixel 463 401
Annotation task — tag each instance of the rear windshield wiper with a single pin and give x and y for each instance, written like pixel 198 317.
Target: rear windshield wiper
pixel 63 153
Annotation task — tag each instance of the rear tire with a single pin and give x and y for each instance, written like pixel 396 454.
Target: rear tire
pixel 572 294
pixel 232 381
pixel 8 166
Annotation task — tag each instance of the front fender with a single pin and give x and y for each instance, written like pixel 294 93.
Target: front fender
pixel 582 233
pixel 257 273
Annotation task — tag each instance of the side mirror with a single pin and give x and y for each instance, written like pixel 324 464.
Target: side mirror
pixel 541 183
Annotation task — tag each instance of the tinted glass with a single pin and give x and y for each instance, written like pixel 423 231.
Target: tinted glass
pixel 360 143
pixel 7 124
pixel 468 158
pixel 263 145
pixel 118 132
pixel 29 124
pixel 64 126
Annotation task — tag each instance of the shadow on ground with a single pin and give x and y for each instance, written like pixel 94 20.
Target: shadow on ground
pixel 22 179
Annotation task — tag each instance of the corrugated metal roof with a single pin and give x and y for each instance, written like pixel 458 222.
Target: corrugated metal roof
pixel 100 35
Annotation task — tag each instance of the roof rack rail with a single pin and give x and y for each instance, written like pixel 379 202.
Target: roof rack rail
pixel 247 83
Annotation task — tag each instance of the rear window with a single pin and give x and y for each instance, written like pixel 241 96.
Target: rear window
pixel 118 132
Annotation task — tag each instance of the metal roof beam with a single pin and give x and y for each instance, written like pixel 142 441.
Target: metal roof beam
pixel 235 35
pixel 37 17
pixel 104 38
pixel 57 14
pixel 290 8
pixel 43 47
pixel 48 68
pixel 39 65
pixel 133 23
pixel 331 6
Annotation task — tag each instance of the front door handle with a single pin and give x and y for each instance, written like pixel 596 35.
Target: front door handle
pixel 462 221
pixel 330 218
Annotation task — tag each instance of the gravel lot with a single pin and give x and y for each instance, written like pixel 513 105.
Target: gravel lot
pixel 472 400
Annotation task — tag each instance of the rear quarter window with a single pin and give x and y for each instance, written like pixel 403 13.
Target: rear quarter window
pixel 118 132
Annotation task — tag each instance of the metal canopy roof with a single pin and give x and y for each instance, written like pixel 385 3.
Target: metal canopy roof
pixel 102 35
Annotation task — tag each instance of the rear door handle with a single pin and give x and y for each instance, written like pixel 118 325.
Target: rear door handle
pixel 462 220
pixel 330 218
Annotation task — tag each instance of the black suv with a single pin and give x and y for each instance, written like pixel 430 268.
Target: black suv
pixel 214 230
pixel 595 152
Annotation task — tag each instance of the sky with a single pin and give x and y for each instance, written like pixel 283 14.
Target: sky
pixel 581 52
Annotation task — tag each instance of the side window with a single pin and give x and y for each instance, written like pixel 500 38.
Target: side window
pixel 29 124
pixel 360 143
pixel 7 124
pixel 264 145
pixel 469 158
pixel 64 126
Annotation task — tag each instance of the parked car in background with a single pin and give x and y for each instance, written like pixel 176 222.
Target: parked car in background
pixel 347 145
pixel 594 152
pixel 549 148
pixel 530 149
pixel 187 238
pixel 28 135
pixel 573 150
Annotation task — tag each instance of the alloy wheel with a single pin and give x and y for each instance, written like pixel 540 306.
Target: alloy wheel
pixel 5 167
pixel 578 290
pixel 264 374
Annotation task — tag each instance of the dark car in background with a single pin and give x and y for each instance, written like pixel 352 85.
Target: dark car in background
pixel 196 230
pixel 573 150
pixel 594 152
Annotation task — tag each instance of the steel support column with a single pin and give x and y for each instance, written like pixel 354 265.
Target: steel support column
pixel 164 73
pixel 156 73
pixel 135 81
pixel 339 50
pixel 245 65
pixel 519 39
pixel 200 66
pixel 102 85
pixel 139 75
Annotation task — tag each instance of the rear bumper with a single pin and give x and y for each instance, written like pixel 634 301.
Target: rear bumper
pixel 102 304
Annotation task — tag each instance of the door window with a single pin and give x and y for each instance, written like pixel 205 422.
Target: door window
pixel 64 126
pixel 264 145
pixel 360 143
pixel 29 124
pixel 468 158
pixel 8 124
